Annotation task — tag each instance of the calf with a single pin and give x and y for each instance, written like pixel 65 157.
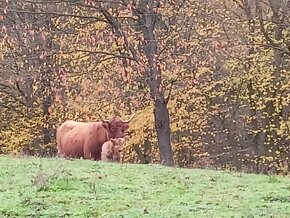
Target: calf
pixel 112 150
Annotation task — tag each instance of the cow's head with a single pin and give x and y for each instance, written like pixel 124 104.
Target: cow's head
pixel 117 127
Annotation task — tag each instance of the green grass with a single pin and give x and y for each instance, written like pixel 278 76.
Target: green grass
pixel 52 187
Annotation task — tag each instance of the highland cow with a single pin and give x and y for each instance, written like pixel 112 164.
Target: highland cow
pixel 85 139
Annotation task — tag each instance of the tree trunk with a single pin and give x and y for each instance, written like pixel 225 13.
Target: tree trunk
pixel 146 11
pixel 46 82
pixel 161 119
pixel 147 18
pixel 273 113
pixel 277 63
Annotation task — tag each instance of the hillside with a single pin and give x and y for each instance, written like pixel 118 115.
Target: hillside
pixel 51 187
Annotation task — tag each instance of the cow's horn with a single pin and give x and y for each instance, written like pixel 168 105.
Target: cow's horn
pixel 129 120
pixel 103 120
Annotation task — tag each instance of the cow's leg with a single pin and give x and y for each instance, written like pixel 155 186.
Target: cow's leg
pixel 95 156
pixel 98 155
pixel 60 154
pixel 90 152
pixel 87 153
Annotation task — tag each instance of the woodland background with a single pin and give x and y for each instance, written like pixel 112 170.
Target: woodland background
pixel 221 68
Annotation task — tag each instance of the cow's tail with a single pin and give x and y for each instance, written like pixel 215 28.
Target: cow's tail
pixel 60 132
pixel 58 142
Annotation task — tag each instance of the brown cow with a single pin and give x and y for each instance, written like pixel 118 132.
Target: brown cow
pixel 85 139
pixel 112 150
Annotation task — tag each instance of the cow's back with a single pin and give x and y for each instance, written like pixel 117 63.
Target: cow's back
pixel 81 139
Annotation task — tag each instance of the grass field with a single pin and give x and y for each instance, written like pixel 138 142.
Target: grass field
pixel 52 187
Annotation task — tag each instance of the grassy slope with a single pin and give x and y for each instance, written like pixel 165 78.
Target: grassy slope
pixel 52 187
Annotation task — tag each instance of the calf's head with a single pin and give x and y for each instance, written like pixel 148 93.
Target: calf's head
pixel 115 148
pixel 118 145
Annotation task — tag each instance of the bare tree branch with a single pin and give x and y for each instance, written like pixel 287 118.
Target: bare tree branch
pixel 104 53
pixel 262 27
pixel 54 14
pixel 20 90
pixel 12 109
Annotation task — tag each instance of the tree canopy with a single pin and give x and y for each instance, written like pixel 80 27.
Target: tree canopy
pixel 209 80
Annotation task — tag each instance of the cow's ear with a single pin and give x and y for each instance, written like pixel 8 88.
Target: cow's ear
pixel 105 125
